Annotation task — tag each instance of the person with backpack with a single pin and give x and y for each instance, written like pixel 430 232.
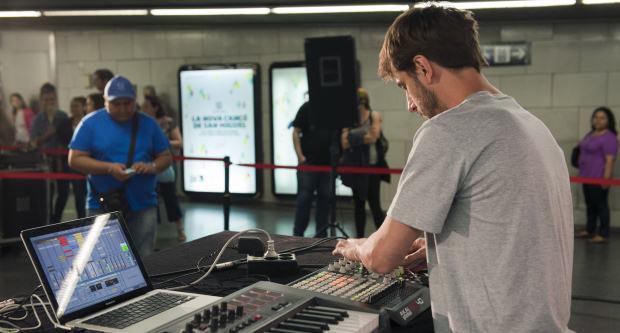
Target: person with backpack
pixel 365 146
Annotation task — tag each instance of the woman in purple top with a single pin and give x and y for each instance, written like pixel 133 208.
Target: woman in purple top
pixel 598 151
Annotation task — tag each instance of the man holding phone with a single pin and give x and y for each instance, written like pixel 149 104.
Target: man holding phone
pixel 101 148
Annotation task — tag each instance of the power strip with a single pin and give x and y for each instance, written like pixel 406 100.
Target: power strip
pixel 284 264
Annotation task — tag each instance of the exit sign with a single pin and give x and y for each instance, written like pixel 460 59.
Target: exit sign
pixel 507 54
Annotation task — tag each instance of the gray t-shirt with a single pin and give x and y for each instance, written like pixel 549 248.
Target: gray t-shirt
pixel 489 185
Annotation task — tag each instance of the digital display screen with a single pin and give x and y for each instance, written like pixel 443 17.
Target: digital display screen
pixel 218 119
pixel 88 265
pixel 289 90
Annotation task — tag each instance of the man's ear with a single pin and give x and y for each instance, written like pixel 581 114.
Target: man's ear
pixel 423 69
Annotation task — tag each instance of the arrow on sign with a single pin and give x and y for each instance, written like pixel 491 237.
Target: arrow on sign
pixel 519 53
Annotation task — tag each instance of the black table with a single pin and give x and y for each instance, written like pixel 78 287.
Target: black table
pixel 222 283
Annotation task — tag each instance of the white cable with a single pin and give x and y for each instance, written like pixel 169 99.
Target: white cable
pixel 49 316
pixel 16 329
pixel 220 254
pixel 21 329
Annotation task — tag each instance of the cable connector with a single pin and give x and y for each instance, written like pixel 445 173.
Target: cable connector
pixel 224 265
pixel 7 302
pixel 271 250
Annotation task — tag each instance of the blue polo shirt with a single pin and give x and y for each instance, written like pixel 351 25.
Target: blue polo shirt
pixel 108 140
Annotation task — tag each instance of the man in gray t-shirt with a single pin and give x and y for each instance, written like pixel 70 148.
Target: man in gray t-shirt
pixel 486 188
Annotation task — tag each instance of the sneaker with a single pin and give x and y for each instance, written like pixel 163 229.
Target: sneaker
pixel 598 239
pixel 582 234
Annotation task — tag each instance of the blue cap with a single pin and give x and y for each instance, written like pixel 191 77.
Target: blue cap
pixel 119 87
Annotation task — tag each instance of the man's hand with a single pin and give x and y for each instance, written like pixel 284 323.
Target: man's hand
pixel 344 139
pixel 144 168
pixel 301 159
pixel 348 248
pixel 416 256
pixel 117 171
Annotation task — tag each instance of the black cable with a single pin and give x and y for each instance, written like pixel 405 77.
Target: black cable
pixel 311 266
pixel 155 276
pixel 175 279
pixel 24 298
pixel 595 299
pixel 186 270
pixel 197 270
pixel 307 247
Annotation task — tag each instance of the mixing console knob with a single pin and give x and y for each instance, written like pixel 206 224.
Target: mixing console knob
pixel 348 266
pixel 223 307
pixel 215 310
pixel 215 323
pixel 206 315
pixel 386 279
pixel 231 315
pixel 239 311
pixel 374 276
pixel 189 328
pixel 331 267
pixel 197 318
pixel 223 319
pixel 337 265
pixel 342 269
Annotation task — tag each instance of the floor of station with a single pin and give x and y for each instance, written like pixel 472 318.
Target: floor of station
pixel 596 268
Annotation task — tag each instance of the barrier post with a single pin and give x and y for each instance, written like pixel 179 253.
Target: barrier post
pixel 226 193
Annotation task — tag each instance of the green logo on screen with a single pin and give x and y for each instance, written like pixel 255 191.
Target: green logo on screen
pixel 124 247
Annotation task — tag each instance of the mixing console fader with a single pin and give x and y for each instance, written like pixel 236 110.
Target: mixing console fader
pixel 401 295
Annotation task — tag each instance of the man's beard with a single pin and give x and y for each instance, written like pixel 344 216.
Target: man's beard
pixel 429 103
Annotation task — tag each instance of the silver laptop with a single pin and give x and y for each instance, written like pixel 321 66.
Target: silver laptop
pixel 94 278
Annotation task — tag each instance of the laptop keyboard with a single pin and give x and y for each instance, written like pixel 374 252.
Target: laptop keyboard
pixel 138 311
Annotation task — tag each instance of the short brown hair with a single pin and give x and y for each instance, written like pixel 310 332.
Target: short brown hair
pixel 104 74
pixel 47 88
pixel 79 99
pixel 446 36
pixel 97 99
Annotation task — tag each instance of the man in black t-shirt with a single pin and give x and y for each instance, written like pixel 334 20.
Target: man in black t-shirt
pixel 312 146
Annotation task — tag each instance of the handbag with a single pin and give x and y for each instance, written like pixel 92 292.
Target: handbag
pixel 116 200
pixel 574 156
pixel 166 176
pixel 382 145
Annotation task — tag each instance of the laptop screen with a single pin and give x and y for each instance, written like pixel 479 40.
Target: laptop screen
pixel 88 264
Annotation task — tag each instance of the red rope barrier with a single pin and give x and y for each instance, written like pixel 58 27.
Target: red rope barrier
pixel 309 168
pixel 183 158
pixel 595 181
pixel 40 175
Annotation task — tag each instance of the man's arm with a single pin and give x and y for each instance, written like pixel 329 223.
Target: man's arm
pixel 84 163
pixel 609 168
pixel 162 161
pixel 176 140
pixel 384 250
pixel 297 144
pixel 375 130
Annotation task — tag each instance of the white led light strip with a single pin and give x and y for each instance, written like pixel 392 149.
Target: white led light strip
pixel 23 13
pixel 599 2
pixel 210 11
pixel 104 12
pixel 340 9
pixel 499 4
pixel 303 9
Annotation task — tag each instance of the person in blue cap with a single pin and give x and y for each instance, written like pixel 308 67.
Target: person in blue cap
pixel 100 148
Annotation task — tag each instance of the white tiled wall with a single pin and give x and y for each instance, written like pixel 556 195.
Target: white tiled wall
pixel 25 63
pixel 575 67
